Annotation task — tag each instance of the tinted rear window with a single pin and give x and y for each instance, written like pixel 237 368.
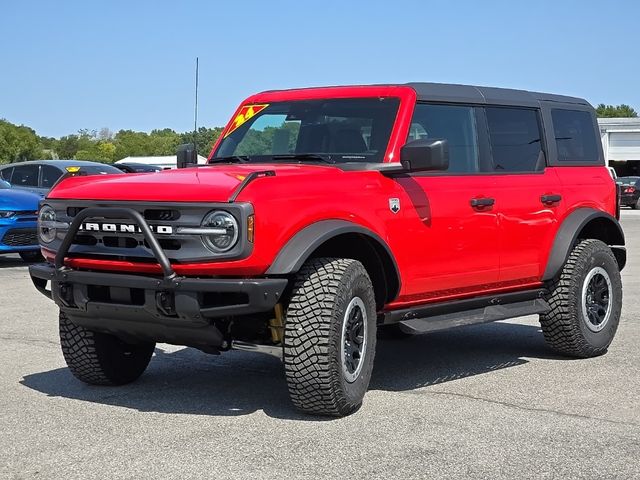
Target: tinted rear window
pixel 628 179
pixel 5 173
pixel 516 141
pixel 25 176
pixel 575 136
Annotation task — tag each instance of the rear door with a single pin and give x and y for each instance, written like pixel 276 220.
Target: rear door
pixel 453 224
pixel 25 177
pixel 528 194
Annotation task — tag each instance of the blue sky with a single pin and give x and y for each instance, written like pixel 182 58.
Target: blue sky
pixel 129 64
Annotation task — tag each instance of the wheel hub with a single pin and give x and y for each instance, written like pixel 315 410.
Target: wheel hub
pixel 353 345
pixel 596 299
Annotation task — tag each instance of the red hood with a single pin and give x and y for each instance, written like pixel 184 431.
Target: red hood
pixel 204 184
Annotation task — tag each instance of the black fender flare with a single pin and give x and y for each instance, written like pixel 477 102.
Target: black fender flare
pixel 568 233
pixel 302 245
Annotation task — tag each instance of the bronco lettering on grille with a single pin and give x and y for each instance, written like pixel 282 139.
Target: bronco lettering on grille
pixel 124 228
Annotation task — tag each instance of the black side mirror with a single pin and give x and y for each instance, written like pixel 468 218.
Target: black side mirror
pixel 187 156
pixel 425 154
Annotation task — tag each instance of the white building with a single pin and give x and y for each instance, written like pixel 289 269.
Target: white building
pixel 621 144
pixel 169 161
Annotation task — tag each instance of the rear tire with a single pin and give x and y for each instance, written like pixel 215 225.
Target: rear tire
pixel 99 358
pixel 330 336
pixel 31 257
pixel 586 302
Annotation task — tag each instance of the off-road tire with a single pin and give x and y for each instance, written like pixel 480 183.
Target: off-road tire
pixel 323 289
pixel 565 327
pixel 99 358
pixel 31 257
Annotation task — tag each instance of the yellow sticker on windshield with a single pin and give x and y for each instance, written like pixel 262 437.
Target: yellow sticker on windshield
pixel 73 169
pixel 246 113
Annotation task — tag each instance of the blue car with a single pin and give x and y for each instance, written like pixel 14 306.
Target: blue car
pixel 18 222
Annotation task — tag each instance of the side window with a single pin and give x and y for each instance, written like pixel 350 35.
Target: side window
pixel 456 124
pixel 5 173
pixel 515 139
pixel 575 136
pixel 25 176
pixel 50 175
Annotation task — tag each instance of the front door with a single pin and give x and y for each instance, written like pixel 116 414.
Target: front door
pixel 453 223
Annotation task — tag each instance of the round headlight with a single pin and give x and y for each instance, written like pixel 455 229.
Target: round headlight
pixel 227 237
pixel 46 222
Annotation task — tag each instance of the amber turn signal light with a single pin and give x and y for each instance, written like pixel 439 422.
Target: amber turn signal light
pixel 251 227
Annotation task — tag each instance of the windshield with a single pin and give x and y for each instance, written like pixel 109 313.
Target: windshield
pixel 341 130
pixel 99 169
pixel 4 185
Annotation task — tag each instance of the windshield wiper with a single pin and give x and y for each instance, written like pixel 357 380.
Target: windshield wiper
pixel 311 157
pixel 230 159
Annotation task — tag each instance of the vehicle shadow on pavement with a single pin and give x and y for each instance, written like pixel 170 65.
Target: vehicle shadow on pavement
pixel 188 381
pixel 440 357
pixel 12 262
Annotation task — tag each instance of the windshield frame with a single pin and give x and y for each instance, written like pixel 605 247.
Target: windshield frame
pixel 313 126
pixel 399 130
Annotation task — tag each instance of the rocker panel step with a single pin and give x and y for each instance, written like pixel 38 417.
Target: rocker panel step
pixel 487 314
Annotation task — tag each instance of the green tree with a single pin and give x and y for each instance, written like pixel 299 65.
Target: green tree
pixel 98 151
pixel 622 110
pixel 204 138
pixel 18 143
pixel 68 146
pixel 164 142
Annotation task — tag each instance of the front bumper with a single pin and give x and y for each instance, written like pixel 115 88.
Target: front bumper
pixel 18 235
pixel 171 308
pixel 180 310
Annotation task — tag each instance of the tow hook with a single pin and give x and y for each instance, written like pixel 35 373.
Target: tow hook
pixel 65 292
pixel 166 303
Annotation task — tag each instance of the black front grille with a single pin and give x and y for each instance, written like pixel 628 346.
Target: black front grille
pixel 126 241
pixel 20 237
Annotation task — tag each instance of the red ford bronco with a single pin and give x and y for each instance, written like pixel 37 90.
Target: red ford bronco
pixel 325 215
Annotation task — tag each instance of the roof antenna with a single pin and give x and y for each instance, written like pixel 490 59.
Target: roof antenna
pixel 187 154
pixel 195 115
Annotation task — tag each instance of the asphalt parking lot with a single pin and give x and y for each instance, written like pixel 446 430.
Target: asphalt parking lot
pixel 478 402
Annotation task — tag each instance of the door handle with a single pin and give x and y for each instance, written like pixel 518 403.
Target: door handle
pixel 482 202
pixel 550 199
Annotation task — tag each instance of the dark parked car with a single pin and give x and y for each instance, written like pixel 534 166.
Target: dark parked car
pixel 629 191
pixel 133 167
pixel 39 176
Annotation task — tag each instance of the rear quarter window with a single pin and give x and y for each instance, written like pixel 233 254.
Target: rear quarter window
pixel 5 173
pixel 575 136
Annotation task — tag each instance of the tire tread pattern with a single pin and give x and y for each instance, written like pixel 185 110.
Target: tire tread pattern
pixel 561 325
pixel 310 358
pixel 98 358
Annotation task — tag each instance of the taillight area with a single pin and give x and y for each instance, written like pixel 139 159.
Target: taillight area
pixel 629 189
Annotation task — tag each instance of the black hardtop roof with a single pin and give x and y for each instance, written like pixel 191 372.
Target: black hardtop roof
pixel 455 93
pixel 447 92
